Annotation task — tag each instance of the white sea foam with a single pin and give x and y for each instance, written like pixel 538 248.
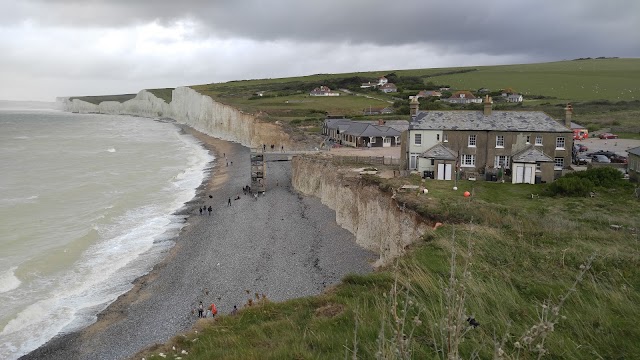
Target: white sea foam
pixel 111 150
pixel 8 280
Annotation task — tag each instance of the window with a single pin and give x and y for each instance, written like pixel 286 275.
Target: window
pixel 500 141
pixel 502 160
pixel 413 161
pixel 437 137
pixel 472 141
pixel 559 163
pixel 373 140
pixel 433 162
pixel 445 137
pixel 560 143
pixel 539 140
pixel 538 167
pixel 528 139
pixel 417 139
pixel 386 140
pixel 468 160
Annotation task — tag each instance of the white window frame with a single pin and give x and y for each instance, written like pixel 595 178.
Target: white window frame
pixel 373 140
pixel 445 137
pixel 558 163
pixel 500 141
pixel 467 160
pixel 472 141
pixel 560 143
pixel 417 139
pixel 386 140
pixel 539 140
pixel 528 141
pixel 504 158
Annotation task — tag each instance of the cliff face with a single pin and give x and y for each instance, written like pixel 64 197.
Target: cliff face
pixel 194 109
pixel 373 217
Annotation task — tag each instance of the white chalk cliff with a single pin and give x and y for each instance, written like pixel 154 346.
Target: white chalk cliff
pixel 191 108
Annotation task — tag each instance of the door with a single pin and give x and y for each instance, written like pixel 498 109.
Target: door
pixel 444 171
pixel 519 174
pixel 528 171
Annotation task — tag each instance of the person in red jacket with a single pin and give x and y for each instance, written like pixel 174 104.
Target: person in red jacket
pixel 214 310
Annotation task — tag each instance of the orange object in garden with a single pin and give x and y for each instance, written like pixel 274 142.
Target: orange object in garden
pixel 467 194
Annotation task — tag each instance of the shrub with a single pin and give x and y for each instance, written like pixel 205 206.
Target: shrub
pixel 571 186
pixel 601 177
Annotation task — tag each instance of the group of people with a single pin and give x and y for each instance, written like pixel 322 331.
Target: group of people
pixel 212 310
pixel 273 147
pixel 204 209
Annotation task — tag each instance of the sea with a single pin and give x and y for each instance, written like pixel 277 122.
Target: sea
pixel 88 203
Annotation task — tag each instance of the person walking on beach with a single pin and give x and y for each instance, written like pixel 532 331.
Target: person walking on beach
pixel 234 311
pixel 229 202
pixel 214 310
pixel 200 310
pixel 200 211
pixel 210 210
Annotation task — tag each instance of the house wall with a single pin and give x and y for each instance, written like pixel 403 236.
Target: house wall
pixel 429 139
pixel 634 167
pixel 486 150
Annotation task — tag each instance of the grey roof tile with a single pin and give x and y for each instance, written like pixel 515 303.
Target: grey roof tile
pixel 534 121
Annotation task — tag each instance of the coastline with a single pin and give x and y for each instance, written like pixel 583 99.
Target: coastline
pixel 282 245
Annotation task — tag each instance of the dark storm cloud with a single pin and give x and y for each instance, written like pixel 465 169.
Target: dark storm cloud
pixel 540 28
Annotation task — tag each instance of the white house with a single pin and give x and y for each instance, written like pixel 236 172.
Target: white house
pixel 514 98
pixel 323 91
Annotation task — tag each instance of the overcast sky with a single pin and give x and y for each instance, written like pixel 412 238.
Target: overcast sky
pixel 52 48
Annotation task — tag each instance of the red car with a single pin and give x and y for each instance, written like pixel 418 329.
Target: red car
pixel 608 136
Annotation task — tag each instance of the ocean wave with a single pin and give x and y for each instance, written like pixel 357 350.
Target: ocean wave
pixel 8 280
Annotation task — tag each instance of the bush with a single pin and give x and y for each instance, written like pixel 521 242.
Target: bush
pixel 571 186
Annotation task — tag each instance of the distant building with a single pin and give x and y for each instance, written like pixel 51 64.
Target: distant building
pixel 323 91
pixel 382 81
pixel 634 164
pixel 463 97
pixel 379 133
pixel 514 98
pixel 429 93
pixel 388 88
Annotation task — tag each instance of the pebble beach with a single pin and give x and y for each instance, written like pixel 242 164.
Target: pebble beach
pixel 283 245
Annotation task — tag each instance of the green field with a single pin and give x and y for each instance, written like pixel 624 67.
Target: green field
pixel 518 280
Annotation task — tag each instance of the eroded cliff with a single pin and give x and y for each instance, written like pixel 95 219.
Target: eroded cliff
pixel 372 216
pixel 196 110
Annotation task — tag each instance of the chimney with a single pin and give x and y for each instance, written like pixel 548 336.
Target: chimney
pixel 568 111
pixel 487 105
pixel 414 105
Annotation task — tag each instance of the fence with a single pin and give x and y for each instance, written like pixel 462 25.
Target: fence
pixel 371 160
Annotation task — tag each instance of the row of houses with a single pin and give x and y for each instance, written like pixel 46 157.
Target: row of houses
pixel 382 84
pixel 467 97
pixel 378 133
pixel 528 145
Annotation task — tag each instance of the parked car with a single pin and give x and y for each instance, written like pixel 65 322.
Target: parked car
pixel 618 159
pixel 608 154
pixel 608 136
pixel 581 160
pixel 600 159
pixel 582 148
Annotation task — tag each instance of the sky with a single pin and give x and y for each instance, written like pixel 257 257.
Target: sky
pixel 51 48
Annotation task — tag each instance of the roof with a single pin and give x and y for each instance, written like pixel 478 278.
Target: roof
pixel 364 129
pixel 439 152
pixel 334 123
pixel 634 151
pixel 530 155
pixel 467 95
pixel 388 86
pixel 533 121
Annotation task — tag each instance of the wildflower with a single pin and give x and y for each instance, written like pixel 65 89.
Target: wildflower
pixel 517 345
pixel 162 355
pixel 500 352
pixel 417 321
pixel 185 352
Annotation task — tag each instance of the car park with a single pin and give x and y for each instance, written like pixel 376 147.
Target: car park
pixel 581 160
pixel 608 154
pixel 618 159
pixel 582 148
pixel 608 136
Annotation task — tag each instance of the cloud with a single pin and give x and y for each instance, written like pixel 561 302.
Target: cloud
pixel 107 46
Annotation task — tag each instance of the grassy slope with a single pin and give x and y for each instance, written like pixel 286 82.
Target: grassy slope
pixel 524 252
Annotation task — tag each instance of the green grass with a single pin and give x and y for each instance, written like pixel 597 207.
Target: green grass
pixel 164 94
pixel 524 252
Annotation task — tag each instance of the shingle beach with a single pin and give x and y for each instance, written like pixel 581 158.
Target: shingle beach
pixel 283 245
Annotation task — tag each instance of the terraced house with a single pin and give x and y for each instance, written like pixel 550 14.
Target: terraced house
pixel 515 146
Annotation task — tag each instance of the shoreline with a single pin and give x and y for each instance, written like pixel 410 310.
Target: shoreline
pixel 252 241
